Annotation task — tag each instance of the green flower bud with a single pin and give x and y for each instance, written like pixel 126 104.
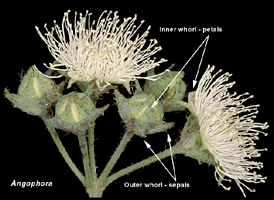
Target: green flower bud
pixel 74 107
pixel 140 108
pixel 75 112
pixel 34 84
pixel 36 94
pixel 138 114
pixel 175 91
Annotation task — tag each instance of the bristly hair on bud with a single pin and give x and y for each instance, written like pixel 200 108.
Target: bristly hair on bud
pixel 227 129
pixel 106 53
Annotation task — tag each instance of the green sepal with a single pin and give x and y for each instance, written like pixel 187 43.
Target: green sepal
pixel 32 106
pixel 36 94
pixel 35 84
pixel 71 81
pixel 176 91
pixel 191 143
pixel 77 128
pixel 137 113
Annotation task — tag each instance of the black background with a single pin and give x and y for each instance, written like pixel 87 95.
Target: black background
pixel 244 48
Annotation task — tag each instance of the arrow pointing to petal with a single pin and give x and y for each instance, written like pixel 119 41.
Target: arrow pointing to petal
pixel 156 102
pixel 149 147
pixel 194 81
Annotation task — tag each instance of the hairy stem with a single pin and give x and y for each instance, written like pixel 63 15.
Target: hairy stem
pixel 141 164
pixel 85 156
pixel 126 138
pixel 91 151
pixel 64 153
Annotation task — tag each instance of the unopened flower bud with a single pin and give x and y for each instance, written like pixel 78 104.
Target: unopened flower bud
pixel 175 91
pixel 138 114
pixel 34 84
pixel 74 107
pixel 140 108
pixel 36 94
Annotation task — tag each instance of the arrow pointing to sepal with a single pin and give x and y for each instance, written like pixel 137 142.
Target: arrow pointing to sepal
pixel 149 147
pixel 169 140
pixel 194 82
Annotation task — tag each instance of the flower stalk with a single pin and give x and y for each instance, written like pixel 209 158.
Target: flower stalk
pixel 141 164
pixel 84 149
pixel 64 153
pixel 91 151
pixel 116 155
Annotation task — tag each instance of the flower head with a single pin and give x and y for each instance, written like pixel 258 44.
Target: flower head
pixel 107 52
pixel 227 129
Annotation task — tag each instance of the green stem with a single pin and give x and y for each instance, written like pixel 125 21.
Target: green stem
pixel 64 153
pixel 141 164
pixel 85 156
pixel 126 138
pixel 91 151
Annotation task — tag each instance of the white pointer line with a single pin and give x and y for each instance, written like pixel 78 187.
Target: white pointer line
pixel 156 102
pixel 169 140
pixel 148 146
pixel 194 81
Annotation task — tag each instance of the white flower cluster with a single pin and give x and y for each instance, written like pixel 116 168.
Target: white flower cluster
pixel 227 129
pixel 108 53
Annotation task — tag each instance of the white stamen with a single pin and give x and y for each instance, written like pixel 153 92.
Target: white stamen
pixel 227 128
pixel 106 53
